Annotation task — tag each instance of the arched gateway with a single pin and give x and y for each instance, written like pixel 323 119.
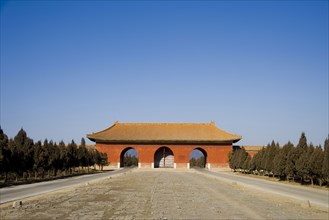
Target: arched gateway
pixel 165 144
pixel 164 158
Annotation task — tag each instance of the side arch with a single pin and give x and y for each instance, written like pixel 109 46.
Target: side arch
pixel 164 158
pixel 122 155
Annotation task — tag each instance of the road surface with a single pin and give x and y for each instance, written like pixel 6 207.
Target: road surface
pixel 162 194
pixel 314 196
pixel 13 193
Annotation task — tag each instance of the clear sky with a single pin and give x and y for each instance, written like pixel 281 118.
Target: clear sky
pixel 257 68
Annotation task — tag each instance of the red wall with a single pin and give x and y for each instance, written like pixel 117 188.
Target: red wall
pixel 216 154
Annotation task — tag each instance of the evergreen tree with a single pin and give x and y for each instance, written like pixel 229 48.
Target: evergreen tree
pixel 265 155
pixel 235 159
pixel 91 158
pixel 246 164
pixel 303 166
pixel 53 158
pixel 82 154
pixel 270 152
pixel 302 142
pixel 252 164
pixel 21 151
pixel 325 166
pixel 3 146
pixel 46 157
pixel 83 142
pixel 302 158
pixel 15 165
pixel 290 170
pixel 242 157
pixel 71 156
pixel 101 159
pixel 280 160
pixel 315 168
pixel 258 160
pixel 64 161
pixel 94 156
pixel 40 159
pixel 57 161
pixel 24 147
pixel 294 155
pixel 5 154
pixel 230 160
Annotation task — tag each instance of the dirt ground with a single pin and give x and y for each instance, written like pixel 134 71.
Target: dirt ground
pixel 161 194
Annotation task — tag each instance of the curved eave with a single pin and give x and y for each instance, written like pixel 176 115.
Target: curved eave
pixel 237 139
pixel 100 140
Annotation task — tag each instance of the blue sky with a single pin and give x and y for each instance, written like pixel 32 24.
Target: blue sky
pixel 257 68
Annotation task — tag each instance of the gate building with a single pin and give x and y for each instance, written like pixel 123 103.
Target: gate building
pixel 165 145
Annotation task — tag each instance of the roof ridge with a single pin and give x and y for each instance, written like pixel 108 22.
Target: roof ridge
pixel 163 123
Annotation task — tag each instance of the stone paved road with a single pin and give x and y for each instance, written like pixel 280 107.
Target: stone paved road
pixel 162 194
pixel 314 196
pixel 13 193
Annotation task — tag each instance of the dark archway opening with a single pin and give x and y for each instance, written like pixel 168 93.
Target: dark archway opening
pixel 164 158
pixel 198 158
pixel 129 157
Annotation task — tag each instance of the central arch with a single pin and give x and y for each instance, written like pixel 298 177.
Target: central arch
pixel 198 158
pixel 164 158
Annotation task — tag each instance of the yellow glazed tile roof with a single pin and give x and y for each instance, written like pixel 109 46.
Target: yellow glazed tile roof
pixel 164 132
pixel 253 148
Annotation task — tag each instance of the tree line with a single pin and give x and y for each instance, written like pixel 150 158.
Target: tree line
pixel 130 160
pixel 23 158
pixel 199 162
pixel 304 163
